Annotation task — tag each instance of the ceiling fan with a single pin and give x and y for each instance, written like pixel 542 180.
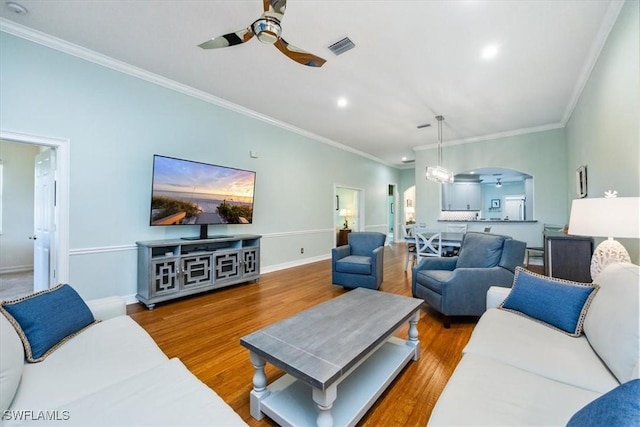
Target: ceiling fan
pixel 267 29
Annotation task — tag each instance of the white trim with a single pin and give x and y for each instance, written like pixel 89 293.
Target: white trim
pixel 492 136
pixel 16 269
pixel 63 156
pixel 64 46
pixel 599 41
pixel 291 264
pixel 102 249
pixel 296 233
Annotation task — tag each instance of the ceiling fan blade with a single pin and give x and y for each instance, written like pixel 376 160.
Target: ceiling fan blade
pixel 275 8
pixel 230 39
pixel 299 55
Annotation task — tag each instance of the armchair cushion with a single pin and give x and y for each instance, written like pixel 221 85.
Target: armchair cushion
pixel 480 250
pixel 434 279
pixel 363 243
pixel 354 264
pixel 558 303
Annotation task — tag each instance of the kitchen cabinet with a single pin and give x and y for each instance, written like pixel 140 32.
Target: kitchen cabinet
pixel 461 196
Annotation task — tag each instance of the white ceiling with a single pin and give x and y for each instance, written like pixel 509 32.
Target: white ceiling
pixel 413 60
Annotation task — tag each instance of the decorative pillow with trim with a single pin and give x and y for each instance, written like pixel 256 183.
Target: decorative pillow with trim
pixel 557 303
pixel 619 407
pixel 47 319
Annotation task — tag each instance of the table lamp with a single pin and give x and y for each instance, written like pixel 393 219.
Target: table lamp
pixel 609 217
pixel 345 214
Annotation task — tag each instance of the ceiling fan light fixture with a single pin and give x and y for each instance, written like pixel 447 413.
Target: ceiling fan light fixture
pixel 267 30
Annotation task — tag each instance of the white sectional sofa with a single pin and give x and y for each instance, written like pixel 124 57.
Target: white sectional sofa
pixel 516 371
pixel 110 374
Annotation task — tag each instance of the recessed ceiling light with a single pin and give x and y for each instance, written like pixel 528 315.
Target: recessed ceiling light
pixel 17 8
pixel 404 159
pixel 342 102
pixel 490 51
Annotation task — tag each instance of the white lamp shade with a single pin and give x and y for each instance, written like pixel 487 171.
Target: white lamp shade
pixel 605 217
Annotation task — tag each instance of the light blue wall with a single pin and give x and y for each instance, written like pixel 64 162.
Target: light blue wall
pixel 116 122
pixel 604 130
pixel 541 154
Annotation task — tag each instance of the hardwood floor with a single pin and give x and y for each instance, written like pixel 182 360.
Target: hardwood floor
pixel 204 332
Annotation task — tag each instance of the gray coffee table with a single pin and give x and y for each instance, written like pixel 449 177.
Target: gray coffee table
pixel 339 357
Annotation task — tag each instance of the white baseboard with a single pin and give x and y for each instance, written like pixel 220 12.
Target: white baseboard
pixel 16 269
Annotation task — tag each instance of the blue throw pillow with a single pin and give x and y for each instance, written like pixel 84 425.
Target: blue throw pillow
pixel 46 319
pixel 619 407
pixel 560 304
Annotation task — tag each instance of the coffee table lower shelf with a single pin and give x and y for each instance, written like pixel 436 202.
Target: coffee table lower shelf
pixel 289 401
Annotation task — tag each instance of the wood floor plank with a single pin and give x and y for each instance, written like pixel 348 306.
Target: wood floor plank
pixel 204 331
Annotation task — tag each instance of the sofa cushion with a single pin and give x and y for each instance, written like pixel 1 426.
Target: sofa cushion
pixel 480 250
pixel 619 407
pixel 11 362
pixel 354 264
pixel 560 304
pixel 517 341
pixel 104 354
pixel 47 319
pixel 165 395
pixel 611 324
pixel 485 392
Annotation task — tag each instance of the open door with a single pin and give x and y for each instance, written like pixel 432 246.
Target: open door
pixel 44 220
pixel 348 213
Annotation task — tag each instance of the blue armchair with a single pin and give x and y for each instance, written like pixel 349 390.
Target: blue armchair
pixel 457 286
pixel 359 263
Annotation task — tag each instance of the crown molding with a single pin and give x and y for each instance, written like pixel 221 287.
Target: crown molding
pixel 608 22
pixel 492 136
pixel 64 46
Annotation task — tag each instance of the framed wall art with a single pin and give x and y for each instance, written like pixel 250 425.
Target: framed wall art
pixel 581 181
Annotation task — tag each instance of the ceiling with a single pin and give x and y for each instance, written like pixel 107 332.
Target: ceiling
pixel 413 60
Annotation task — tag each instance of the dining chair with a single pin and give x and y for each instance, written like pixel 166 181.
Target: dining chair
pixel 454 228
pixel 410 238
pixel 428 243
pixel 457 228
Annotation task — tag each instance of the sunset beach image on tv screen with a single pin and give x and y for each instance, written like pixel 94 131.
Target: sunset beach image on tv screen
pixel 187 192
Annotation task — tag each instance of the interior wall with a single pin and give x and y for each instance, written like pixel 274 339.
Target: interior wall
pixel 16 249
pixel 603 133
pixel 115 122
pixel 540 154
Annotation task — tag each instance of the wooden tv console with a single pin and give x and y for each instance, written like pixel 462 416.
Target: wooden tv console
pixel 169 269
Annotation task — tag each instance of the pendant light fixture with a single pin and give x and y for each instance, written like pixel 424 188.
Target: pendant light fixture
pixel 439 173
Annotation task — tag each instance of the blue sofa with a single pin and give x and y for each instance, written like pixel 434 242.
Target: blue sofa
pixel 360 262
pixel 457 286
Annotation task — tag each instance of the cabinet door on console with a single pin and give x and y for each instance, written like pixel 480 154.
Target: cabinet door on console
pixel 164 276
pixel 227 265
pixel 196 271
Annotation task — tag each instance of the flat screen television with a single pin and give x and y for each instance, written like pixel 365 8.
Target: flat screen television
pixel 186 192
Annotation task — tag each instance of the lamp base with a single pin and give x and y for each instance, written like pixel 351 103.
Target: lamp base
pixel 608 252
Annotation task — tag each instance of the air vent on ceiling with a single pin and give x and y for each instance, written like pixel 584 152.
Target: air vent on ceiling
pixel 341 46
pixel 408 161
pixel 426 125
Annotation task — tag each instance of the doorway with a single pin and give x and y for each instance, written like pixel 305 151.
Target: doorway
pixel 391 213
pixel 348 214
pixel 38 243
